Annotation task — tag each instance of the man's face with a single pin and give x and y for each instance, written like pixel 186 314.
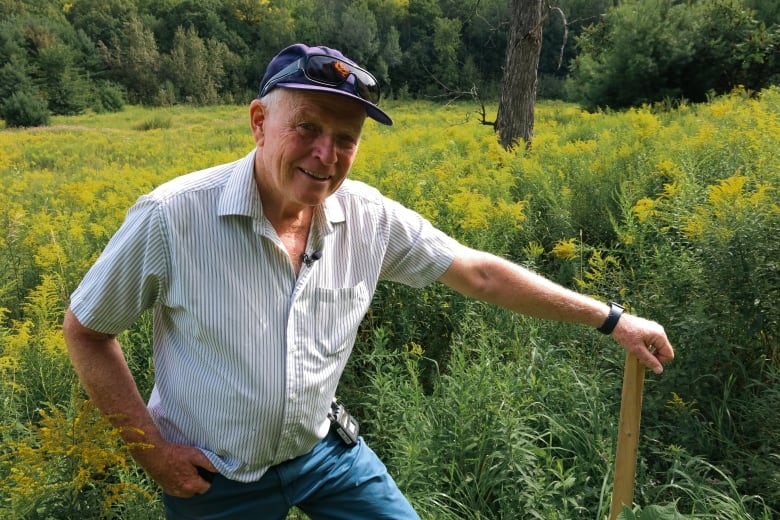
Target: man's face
pixel 306 144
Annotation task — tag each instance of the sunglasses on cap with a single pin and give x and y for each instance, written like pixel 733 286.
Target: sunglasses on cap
pixel 327 70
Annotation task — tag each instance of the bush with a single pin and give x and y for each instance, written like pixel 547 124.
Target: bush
pixel 648 51
pixel 109 97
pixel 153 123
pixel 24 109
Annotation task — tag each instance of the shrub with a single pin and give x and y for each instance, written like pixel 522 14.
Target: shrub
pixel 24 109
pixel 69 464
pixel 109 97
pixel 651 50
pixel 154 123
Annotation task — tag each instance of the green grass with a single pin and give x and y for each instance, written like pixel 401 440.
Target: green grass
pixel 478 414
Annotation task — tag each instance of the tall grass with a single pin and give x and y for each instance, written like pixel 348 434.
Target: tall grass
pixel 478 413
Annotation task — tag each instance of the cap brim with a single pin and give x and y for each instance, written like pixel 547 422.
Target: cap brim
pixel 372 111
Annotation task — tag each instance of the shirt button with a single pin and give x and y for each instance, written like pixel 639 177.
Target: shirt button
pixel 293 396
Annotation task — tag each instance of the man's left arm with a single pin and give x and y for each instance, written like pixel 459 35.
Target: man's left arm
pixel 494 280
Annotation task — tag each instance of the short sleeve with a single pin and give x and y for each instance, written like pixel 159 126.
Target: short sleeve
pixel 130 274
pixel 417 252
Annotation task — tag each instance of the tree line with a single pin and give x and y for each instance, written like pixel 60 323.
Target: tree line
pixel 60 57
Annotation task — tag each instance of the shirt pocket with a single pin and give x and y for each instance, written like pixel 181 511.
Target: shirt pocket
pixel 338 313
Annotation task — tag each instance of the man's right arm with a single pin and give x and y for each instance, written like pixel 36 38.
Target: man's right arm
pixel 104 374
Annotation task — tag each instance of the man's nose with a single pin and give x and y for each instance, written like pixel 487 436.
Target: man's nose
pixel 325 149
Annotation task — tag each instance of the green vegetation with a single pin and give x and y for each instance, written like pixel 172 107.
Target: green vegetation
pixel 99 54
pixel 650 50
pixel 478 413
pixel 22 109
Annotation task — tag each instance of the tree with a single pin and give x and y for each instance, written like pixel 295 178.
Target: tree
pixel 446 43
pixel 515 119
pixel 564 24
pixel 134 60
pixel 359 36
pixel 195 67
pixel 647 51
pixel 63 84
pixel 390 56
pixel 416 34
pixel 101 19
pixel 14 77
pixel 25 109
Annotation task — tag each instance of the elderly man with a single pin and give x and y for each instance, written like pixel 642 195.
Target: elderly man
pixel 259 273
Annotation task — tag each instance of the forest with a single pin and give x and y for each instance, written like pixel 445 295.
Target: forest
pixel 63 58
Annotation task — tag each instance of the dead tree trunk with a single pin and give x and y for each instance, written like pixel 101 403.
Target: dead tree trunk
pixel 515 118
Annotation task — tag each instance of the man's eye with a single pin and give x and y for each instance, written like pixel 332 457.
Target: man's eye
pixel 306 128
pixel 347 141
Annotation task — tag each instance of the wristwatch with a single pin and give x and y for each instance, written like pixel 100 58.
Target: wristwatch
pixel 615 312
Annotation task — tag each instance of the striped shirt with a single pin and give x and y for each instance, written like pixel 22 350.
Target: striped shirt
pixel 247 354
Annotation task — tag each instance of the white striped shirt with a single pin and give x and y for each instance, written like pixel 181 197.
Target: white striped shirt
pixel 247 355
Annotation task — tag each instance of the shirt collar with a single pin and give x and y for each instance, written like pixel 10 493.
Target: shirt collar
pixel 240 196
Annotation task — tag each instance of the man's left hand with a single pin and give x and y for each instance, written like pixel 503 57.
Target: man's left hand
pixel 646 340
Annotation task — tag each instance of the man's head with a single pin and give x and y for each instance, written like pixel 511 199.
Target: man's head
pixel 306 144
pixel 323 69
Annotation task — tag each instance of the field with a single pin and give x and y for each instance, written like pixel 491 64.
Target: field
pixel 478 413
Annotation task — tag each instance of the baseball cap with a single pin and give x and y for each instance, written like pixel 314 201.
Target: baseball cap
pixel 300 67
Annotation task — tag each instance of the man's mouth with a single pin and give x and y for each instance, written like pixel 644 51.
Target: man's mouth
pixel 315 175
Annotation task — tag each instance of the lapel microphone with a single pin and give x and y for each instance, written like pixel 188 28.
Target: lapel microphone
pixel 310 259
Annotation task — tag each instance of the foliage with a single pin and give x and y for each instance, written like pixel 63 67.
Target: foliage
pixel 648 51
pixel 24 109
pixel 134 60
pixel 478 413
pixel 108 97
pixel 215 51
pixel 654 512
pixel 195 67
pixel 69 466
pixel 508 430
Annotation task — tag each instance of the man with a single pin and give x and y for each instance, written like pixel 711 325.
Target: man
pixel 259 273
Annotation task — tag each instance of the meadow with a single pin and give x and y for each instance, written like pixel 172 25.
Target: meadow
pixel 478 413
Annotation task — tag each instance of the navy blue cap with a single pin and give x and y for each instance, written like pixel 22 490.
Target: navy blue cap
pixel 299 81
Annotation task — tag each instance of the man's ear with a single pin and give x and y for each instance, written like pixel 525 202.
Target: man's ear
pixel 257 117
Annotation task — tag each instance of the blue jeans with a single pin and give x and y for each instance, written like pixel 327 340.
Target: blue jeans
pixel 332 482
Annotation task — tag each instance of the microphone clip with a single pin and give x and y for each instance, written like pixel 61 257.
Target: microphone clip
pixel 309 260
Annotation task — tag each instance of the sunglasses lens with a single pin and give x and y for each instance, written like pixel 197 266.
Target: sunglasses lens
pixel 366 86
pixel 332 71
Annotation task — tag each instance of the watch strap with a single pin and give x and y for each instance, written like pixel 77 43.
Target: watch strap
pixel 615 312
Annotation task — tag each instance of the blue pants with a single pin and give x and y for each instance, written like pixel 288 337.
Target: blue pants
pixel 332 482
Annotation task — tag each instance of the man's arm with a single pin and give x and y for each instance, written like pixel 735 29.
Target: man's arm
pixel 491 279
pixel 103 371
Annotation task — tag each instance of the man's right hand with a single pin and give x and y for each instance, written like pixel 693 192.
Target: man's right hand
pixel 175 468
pixel 103 371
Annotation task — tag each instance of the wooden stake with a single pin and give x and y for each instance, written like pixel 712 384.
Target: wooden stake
pixel 628 435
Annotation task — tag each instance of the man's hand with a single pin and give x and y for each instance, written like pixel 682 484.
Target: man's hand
pixel 646 340
pixel 175 468
pixel 104 373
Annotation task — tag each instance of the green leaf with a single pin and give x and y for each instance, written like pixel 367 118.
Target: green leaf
pixel 626 514
pixel 656 512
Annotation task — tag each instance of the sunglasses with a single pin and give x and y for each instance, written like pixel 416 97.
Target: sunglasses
pixel 332 72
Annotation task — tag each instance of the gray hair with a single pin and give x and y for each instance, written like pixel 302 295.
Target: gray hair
pixel 272 99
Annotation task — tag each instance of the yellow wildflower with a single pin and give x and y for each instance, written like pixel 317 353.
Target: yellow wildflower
pixel 566 249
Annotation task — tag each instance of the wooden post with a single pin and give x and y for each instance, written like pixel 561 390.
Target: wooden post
pixel 628 435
